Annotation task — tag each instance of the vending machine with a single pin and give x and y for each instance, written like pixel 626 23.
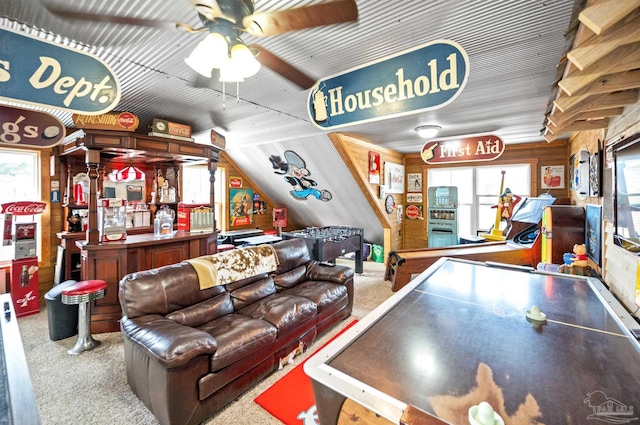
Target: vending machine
pixel 24 265
pixel 442 216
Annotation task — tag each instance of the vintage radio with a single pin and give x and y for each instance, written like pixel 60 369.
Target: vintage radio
pixel 195 217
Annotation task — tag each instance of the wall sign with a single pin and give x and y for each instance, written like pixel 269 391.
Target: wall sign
pixel 43 73
pixel 29 128
pixel 481 148
pixel 424 78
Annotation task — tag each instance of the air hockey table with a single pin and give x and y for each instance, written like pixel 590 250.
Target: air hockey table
pixel 461 333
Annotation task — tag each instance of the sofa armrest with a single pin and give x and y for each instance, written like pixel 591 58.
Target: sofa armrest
pixel 171 343
pixel 336 273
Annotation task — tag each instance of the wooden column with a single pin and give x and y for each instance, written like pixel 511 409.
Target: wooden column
pixel 92 158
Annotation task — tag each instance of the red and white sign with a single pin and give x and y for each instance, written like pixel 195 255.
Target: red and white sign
pixel 122 121
pixel 480 148
pixel 414 212
pixel 23 207
pixel 25 127
pixel 25 231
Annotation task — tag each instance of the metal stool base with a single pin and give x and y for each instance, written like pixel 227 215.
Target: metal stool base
pixel 84 344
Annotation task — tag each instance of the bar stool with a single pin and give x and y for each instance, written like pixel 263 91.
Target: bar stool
pixel 225 247
pixel 82 293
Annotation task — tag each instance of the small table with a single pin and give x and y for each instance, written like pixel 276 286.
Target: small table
pixel 258 240
pixel 461 333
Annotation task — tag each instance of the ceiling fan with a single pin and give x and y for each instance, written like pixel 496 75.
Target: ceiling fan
pixel 228 19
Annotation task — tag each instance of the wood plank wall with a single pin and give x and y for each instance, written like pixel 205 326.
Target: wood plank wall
pixel 260 221
pixel 412 233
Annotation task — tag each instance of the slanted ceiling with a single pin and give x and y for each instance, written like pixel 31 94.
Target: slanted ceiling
pixel 601 72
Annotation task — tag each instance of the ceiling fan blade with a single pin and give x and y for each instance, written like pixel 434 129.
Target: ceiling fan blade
pixel 111 19
pixel 210 9
pixel 278 22
pixel 281 67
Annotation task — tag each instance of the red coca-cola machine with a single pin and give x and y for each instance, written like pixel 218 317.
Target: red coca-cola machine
pixel 22 234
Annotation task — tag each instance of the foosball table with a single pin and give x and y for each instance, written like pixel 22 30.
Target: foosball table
pixel 329 242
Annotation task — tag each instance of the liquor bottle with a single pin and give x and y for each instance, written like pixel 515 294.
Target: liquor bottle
pixel 24 277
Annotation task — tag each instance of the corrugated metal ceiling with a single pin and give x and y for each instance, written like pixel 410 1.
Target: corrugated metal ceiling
pixel 513 46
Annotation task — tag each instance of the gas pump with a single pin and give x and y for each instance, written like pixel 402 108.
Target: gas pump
pixel 24 265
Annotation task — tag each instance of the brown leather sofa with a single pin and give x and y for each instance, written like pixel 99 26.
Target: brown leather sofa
pixel 189 351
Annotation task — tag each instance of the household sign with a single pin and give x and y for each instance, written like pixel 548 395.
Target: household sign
pixel 42 73
pixel 426 77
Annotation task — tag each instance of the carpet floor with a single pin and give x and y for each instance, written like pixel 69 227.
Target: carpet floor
pixel 92 388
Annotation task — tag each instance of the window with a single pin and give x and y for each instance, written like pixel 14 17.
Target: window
pixel 20 181
pixel 478 190
pixel 195 183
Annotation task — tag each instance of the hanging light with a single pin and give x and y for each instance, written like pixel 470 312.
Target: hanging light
pixel 129 174
pixel 244 61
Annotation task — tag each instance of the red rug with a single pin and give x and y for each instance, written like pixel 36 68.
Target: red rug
pixel 290 399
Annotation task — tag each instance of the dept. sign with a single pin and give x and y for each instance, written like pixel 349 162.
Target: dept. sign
pixel 424 78
pixel 43 73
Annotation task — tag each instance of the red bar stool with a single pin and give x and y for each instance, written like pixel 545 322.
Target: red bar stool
pixel 225 247
pixel 82 293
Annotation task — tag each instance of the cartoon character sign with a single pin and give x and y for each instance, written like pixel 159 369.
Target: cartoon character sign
pixel 297 175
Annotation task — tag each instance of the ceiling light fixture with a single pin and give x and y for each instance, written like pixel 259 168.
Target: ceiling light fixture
pixel 223 49
pixel 428 131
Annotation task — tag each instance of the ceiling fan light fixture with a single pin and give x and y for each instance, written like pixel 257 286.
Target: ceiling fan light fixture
pixel 428 131
pixel 230 74
pixel 244 61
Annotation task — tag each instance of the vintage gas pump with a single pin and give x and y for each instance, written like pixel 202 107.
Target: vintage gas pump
pixel 24 266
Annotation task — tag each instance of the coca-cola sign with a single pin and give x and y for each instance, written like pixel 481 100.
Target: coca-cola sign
pixel 23 208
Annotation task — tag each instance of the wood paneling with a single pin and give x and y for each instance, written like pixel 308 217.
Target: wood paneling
pixel 260 221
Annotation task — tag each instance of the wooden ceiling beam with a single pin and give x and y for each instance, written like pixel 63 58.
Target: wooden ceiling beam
pixel 595 48
pixel 625 58
pixel 579 126
pixel 607 84
pixel 557 119
pixel 605 14
pixel 600 101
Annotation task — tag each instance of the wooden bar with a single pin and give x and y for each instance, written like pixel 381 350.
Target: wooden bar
pixel 113 260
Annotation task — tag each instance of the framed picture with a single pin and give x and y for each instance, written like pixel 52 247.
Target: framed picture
pixel 393 177
pixel 374 167
pixel 414 182
pixel 593 230
pixel 572 171
pixel 399 214
pixel 414 198
pixel 552 176
pixel 594 175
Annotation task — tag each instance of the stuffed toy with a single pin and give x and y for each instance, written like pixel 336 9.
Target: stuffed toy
pixel 579 258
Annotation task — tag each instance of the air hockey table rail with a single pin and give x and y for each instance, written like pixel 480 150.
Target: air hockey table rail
pixel 460 333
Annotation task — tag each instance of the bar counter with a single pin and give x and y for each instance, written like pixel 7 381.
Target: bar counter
pixel 111 261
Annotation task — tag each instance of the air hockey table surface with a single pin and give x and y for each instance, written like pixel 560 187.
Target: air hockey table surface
pixel 459 334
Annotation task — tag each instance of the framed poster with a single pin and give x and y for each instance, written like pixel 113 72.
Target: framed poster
pixel 374 167
pixel 414 198
pixel 572 171
pixel 593 230
pixel 240 207
pixel 414 182
pixel 393 177
pixel 552 176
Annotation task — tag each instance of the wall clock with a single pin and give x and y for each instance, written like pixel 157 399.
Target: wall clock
pixel 389 203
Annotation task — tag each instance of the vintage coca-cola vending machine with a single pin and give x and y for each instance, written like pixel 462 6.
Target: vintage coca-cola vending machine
pixel 22 234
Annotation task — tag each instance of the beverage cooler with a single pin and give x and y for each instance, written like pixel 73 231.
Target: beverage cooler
pixel 24 265
pixel 442 216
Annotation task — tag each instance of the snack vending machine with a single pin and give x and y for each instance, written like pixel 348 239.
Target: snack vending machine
pixel 24 266
pixel 442 221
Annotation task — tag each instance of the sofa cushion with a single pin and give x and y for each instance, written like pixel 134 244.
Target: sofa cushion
pixel 204 311
pixel 246 295
pixel 291 254
pixel 291 278
pixel 324 294
pixel 283 311
pixel 238 336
